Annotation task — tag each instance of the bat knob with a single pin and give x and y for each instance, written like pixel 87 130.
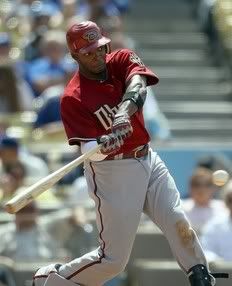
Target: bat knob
pixel 8 208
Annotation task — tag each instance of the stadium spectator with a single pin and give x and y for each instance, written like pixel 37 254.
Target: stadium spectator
pixel 11 152
pixel 5 46
pixel 93 9
pixel 122 5
pixel 54 67
pixel 40 14
pixel 78 193
pixel 6 272
pixel 12 180
pixel 201 207
pixel 10 54
pixel 216 236
pixel 204 13
pixel 213 162
pixel 26 240
pixel 14 94
pixel 80 238
pixel 48 107
pixel 70 9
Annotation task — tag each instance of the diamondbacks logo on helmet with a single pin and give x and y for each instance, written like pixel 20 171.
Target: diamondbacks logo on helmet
pixel 91 36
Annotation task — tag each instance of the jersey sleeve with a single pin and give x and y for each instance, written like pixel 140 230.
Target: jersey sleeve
pixel 78 122
pixel 131 64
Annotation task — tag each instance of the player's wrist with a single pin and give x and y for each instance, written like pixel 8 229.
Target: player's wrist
pixel 87 146
pixel 127 108
pixel 122 114
pixel 121 125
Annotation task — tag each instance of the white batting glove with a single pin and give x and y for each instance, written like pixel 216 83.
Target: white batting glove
pixel 111 143
pixel 121 126
pixel 42 274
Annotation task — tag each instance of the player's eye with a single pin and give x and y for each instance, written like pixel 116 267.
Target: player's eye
pixel 100 49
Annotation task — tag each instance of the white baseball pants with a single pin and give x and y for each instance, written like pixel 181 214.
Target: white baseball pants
pixel 122 190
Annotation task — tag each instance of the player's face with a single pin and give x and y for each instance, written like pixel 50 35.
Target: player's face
pixel 94 61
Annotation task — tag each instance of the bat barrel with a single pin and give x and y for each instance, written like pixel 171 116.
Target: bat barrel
pixel 11 209
pixel 24 198
pixel 18 202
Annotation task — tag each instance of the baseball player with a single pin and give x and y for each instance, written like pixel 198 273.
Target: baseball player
pixel 102 104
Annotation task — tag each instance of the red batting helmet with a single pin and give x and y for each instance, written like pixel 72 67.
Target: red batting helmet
pixel 84 37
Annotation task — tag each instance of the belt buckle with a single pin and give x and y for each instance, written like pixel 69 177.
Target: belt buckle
pixel 135 155
pixel 140 149
pixel 137 150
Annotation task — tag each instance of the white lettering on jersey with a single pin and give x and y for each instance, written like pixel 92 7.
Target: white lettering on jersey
pixel 105 115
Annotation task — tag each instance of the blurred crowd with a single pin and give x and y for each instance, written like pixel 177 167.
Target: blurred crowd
pixel 215 17
pixel 34 67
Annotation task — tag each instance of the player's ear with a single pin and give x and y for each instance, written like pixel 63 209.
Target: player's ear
pixel 74 56
pixel 108 48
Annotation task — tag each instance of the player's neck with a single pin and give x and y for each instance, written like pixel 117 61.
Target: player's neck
pixel 102 76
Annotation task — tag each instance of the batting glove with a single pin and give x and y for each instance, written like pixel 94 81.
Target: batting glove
pixel 121 126
pixel 110 143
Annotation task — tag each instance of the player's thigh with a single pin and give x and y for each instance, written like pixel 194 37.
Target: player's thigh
pixel 120 184
pixel 119 190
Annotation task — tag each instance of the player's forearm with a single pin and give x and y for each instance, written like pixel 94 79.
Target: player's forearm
pixel 127 107
pixel 134 97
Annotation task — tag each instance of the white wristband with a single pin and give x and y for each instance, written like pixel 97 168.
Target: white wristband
pixel 86 146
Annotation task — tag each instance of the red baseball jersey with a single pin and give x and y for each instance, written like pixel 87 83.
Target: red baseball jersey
pixel 88 106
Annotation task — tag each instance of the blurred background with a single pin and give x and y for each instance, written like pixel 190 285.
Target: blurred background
pixel 188 44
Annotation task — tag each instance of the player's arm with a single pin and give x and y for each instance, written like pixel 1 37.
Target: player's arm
pixel 134 97
pixel 132 101
pixel 137 77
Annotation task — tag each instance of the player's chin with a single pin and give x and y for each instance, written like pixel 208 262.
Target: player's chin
pixel 99 68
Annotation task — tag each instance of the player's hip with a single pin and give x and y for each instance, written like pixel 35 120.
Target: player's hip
pixel 149 164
